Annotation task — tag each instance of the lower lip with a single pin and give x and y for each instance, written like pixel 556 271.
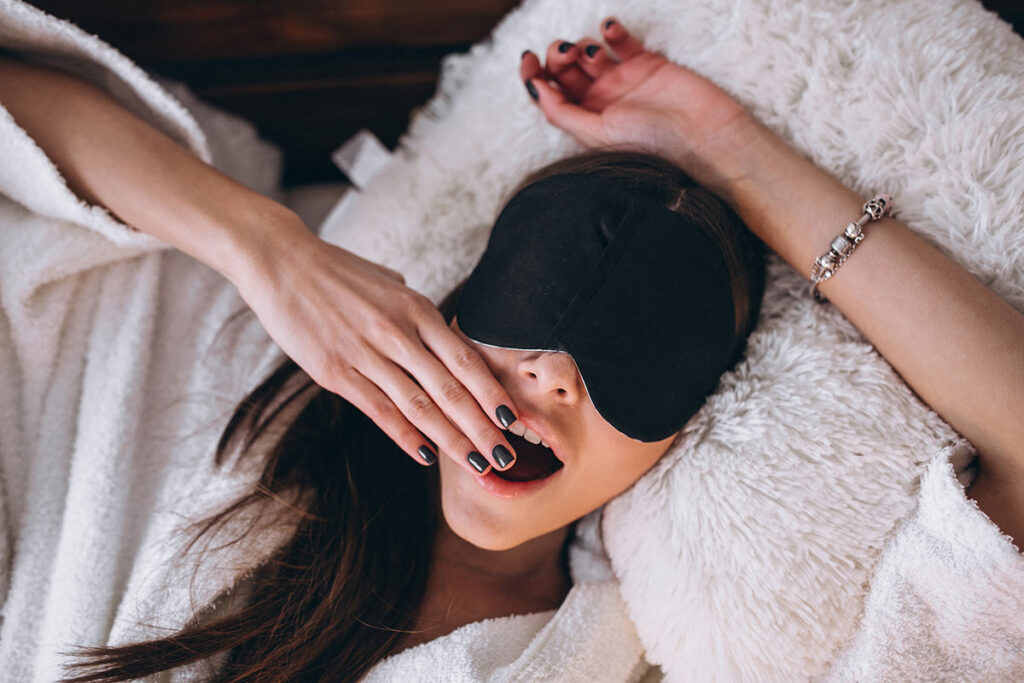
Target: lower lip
pixel 502 488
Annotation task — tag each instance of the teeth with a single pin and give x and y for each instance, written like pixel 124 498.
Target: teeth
pixel 518 429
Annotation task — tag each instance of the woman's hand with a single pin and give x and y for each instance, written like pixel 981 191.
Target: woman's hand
pixel 358 331
pixel 636 98
pixel 352 325
pixel 948 336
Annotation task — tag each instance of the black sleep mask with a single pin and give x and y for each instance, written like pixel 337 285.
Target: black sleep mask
pixel 637 294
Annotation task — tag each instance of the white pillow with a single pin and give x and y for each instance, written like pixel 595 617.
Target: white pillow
pixel 746 552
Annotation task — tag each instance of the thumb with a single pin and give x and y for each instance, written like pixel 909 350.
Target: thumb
pixel 583 125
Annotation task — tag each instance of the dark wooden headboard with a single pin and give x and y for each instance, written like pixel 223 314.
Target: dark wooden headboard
pixel 308 73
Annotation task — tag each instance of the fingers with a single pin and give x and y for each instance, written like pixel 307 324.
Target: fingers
pixel 571 70
pixel 462 383
pixel 594 61
pixel 423 407
pixel 583 125
pixel 563 69
pixel 364 395
pixel 556 106
pixel 619 39
pixel 529 69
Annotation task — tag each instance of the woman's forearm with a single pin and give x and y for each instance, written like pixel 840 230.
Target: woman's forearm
pixel 958 345
pixel 349 323
pixel 109 156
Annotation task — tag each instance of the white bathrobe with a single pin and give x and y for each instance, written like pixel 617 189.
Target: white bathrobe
pixel 119 373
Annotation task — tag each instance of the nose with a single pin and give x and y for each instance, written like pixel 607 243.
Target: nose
pixel 552 374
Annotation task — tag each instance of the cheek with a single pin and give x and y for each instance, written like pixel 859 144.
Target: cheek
pixel 618 462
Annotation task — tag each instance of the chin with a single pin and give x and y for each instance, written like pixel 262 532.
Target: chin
pixel 481 527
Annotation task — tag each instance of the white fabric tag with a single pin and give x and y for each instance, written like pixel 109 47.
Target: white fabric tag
pixel 361 157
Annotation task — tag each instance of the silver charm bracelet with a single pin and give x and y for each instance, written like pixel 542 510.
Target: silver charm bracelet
pixel 826 265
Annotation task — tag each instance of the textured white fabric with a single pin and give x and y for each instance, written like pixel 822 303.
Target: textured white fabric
pixel 119 374
pixel 945 600
pixel 784 534
pixel 115 386
pixel 590 638
pixel 746 554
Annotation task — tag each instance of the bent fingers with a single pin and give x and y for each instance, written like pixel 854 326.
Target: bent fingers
pixel 464 386
pixel 583 125
pixel 624 45
pixel 375 404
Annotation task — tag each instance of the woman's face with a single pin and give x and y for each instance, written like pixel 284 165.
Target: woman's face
pixel 598 461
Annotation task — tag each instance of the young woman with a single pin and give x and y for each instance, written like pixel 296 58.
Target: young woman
pixel 292 627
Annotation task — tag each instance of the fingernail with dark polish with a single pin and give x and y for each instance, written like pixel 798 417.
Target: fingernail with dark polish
pixel 592 50
pixel 608 24
pixel 565 47
pixel 427 455
pixel 502 456
pixel 505 415
pixel 478 461
pixel 523 56
pixel 532 89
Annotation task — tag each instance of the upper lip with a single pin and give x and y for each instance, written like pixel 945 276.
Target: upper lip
pixel 539 425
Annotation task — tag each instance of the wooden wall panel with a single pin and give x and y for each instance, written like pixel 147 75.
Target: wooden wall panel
pixel 308 73
pixel 204 29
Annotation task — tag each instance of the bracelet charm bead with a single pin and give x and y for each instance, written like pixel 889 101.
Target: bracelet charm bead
pixel 843 244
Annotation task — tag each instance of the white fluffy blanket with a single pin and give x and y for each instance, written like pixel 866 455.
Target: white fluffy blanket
pixel 788 534
pixel 807 524
pixel 119 375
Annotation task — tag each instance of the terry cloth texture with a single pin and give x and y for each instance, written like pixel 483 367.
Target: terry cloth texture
pixel 120 371
pixel 790 534
pixel 117 378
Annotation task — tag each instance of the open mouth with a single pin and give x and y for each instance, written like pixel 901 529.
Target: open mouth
pixel 533 461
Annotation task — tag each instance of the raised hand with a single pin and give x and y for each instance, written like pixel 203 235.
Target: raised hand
pixel 903 294
pixel 357 330
pixel 622 95
pixel 352 325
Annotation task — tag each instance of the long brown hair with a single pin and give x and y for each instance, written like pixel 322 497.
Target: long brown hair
pixel 340 593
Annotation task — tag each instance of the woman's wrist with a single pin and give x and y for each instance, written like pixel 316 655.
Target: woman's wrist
pixel 723 156
pixel 254 241
pixel 795 207
pixel 110 157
